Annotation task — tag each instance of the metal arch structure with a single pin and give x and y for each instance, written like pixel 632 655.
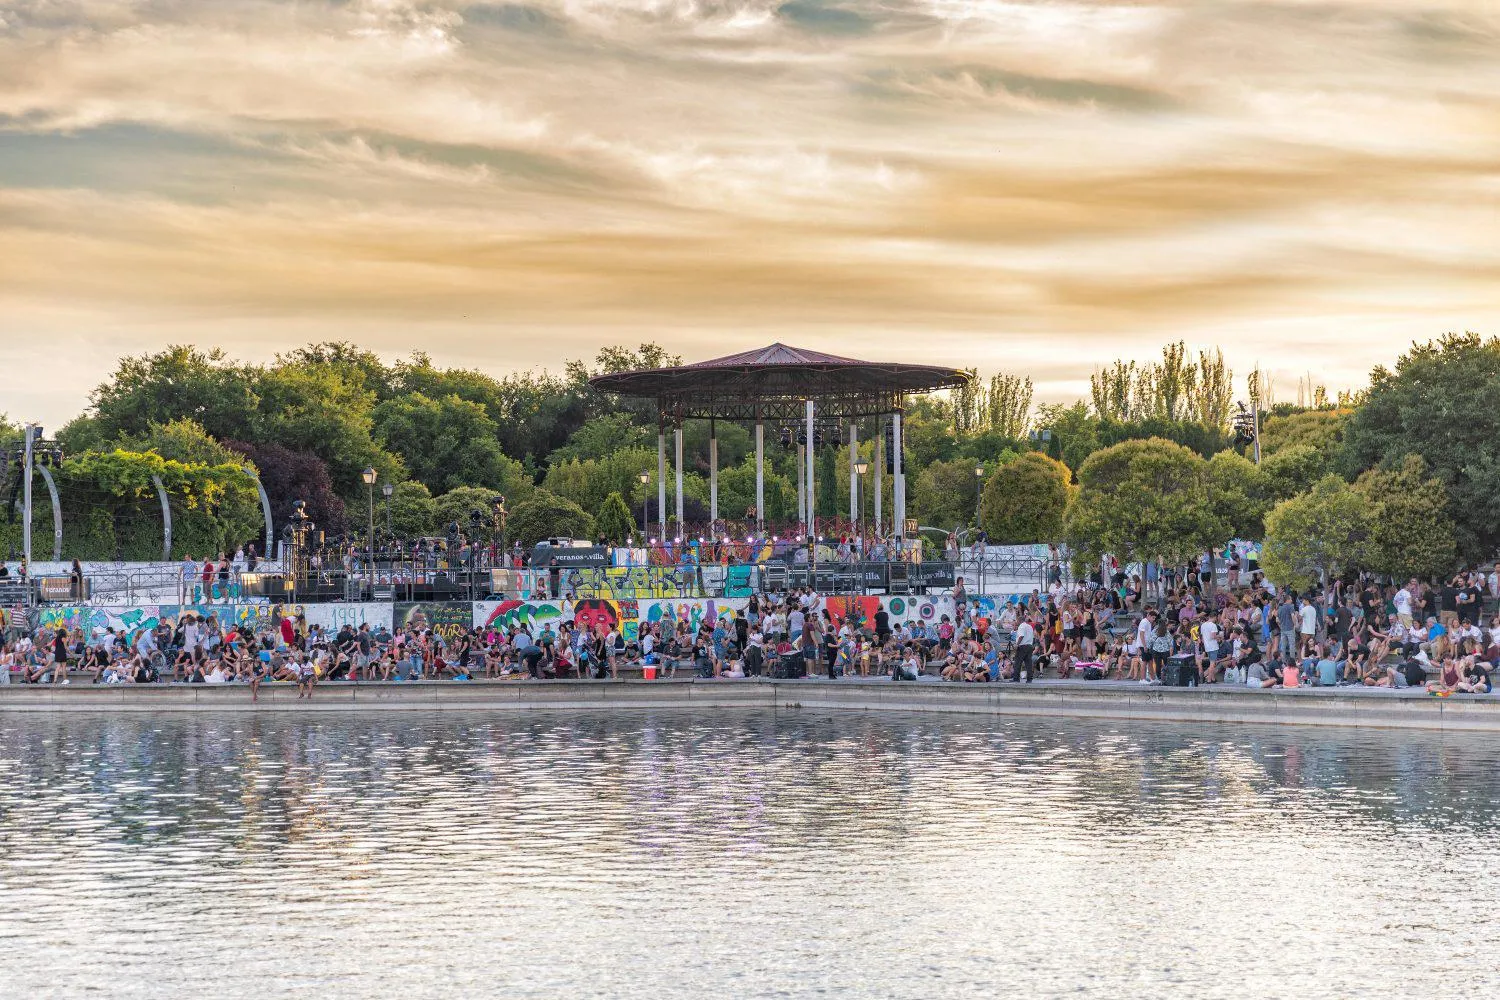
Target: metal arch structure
pixel 166 520
pixel 265 509
pixel 785 385
pixel 57 522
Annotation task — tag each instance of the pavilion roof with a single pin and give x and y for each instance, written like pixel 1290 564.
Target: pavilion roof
pixel 733 385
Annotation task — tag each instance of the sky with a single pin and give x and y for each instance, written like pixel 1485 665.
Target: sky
pixel 1036 187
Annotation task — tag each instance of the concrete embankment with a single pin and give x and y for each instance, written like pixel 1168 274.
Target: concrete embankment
pixel 1357 707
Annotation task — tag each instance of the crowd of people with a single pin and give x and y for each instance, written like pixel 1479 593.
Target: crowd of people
pixel 1174 628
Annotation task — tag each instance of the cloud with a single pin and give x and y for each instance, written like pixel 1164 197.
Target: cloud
pixel 1004 182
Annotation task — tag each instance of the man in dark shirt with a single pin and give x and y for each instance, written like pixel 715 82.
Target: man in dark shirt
pixel 1470 598
pixel 1448 606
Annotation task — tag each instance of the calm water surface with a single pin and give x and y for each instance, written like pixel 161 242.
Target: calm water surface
pixel 677 854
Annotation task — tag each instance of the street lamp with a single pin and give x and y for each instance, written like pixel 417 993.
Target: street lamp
pixel 978 491
pixel 369 477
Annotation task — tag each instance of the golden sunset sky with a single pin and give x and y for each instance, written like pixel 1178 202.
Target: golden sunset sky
pixel 1036 187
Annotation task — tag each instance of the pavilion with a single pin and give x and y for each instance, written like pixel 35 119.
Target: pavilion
pixel 785 385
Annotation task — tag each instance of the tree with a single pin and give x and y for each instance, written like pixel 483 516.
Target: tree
pixel 737 494
pixel 179 382
pixel 460 504
pixel 317 409
pixel 1240 495
pixel 1292 471
pixel 110 506
pixel 1322 430
pixel 1212 394
pixel 287 476
pixel 545 515
pixel 1411 530
pixel 411 511
pixel 1009 404
pixel 1316 535
pixel 602 436
pixel 349 362
pixel 1025 500
pixel 1143 500
pixel 446 443
pixel 1075 433
pixel 615 521
pixel 1442 402
pixel 182 440
pixel 1113 391
pixel 945 494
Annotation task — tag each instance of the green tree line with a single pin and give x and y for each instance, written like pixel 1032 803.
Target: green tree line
pixel 1147 463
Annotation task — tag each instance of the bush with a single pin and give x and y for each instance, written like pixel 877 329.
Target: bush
pixel 545 515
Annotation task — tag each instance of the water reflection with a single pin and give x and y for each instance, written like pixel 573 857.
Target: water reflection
pixel 681 854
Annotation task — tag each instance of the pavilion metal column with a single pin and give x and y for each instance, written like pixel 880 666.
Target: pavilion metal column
pixel 880 480
pixel 812 528
pixel 801 493
pixel 760 473
pixel 31 435
pixel 56 513
pixel 898 479
pixel 853 475
pixel 713 472
pixel 677 439
pixel 661 479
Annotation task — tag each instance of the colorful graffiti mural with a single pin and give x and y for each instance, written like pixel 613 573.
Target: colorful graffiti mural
pixel 633 582
pixel 449 619
pixel 246 616
pixel 694 612
pixel 130 621
pixel 596 613
pixel 504 614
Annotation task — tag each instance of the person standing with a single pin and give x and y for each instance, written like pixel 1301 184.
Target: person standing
pixel 1025 646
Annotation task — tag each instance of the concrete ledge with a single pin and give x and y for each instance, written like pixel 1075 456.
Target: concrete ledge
pixel 1357 707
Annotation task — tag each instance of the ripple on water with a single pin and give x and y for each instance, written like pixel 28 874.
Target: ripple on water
pixel 691 855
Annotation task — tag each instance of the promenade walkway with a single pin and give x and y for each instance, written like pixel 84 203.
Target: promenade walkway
pixel 1350 706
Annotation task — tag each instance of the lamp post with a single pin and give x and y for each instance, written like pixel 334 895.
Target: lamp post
pixel 978 491
pixel 369 477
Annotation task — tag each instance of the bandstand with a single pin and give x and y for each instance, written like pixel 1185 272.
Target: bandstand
pixel 787 386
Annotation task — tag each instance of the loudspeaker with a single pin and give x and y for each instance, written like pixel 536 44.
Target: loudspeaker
pixel 1179 671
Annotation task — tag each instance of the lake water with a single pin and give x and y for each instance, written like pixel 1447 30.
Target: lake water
pixel 680 854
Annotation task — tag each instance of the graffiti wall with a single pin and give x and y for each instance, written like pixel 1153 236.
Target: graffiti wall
pixel 503 614
pixel 448 619
pixel 94 621
pixel 333 617
pixel 861 610
pixel 246 616
pixel 632 582
pixel 597 613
